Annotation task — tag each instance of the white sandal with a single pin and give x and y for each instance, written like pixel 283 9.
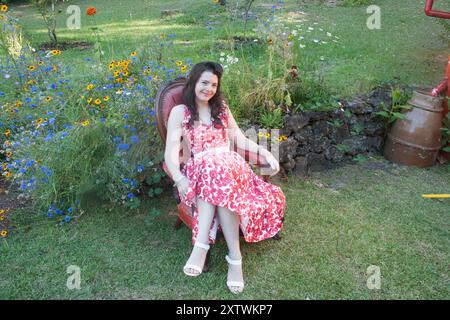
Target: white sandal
pixel 238 284
pixel 193 266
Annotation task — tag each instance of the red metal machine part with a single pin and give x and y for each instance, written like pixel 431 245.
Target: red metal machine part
pixel 445 84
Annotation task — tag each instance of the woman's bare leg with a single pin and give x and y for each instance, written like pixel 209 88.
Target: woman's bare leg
pixel 205 218
pixel 229 222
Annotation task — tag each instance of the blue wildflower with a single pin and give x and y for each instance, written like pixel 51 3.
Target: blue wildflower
pixel 123 146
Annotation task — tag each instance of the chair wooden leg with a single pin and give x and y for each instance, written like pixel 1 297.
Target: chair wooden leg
pixel 178 223
pixel 277 236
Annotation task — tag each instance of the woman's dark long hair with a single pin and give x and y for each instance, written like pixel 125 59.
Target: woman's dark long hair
pixel 216 102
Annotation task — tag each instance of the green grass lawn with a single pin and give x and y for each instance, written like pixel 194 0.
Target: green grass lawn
pixel 409 48
pixel 337 224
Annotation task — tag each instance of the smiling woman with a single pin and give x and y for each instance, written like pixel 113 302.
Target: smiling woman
pixel 217 177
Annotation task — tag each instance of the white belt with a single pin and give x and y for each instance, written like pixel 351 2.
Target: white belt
pixel 212 150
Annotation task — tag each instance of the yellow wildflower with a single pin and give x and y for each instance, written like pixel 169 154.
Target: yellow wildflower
pixel 7 133
pixel 179 63
pixel 105 98
pixel 97 101
pixel 133 54
pixel 7 174
pixel 48 99
pixel 4 233
pixel 31 68
pixel 55 52
pixel 4 8
pixel 89 100
pixel 183 68
pixel 90 86
pixel 85 123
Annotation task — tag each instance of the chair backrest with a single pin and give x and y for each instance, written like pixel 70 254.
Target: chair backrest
pixel 168 96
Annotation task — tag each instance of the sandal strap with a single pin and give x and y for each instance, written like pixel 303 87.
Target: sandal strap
pixel 239 284
pixel 233 262
pixel 201 245
pixel 192 266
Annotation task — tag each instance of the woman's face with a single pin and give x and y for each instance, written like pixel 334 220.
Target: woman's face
pixel 206 86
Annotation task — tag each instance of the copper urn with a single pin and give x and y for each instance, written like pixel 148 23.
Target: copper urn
pixel 416 140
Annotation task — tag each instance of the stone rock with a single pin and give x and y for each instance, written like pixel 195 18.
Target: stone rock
pixel 319 145
pixel 317 162
pixel 295 123
pixel 374 127
pixel 315 115
pixel 288 165
pixel 301 166
pixel 337 135
pixel 356 145
pixel 304 136
pixel 333 154
pixel 321 129
pixel 380 95
pixel 303 150
pixel 375 143
pixel 287 150
pixel 359 106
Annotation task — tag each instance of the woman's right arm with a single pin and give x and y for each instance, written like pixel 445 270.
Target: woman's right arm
pixel 172 151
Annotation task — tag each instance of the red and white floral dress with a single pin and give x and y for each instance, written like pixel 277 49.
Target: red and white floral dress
pixel 223 178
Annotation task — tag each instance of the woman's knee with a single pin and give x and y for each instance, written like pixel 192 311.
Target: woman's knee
pixel 203 205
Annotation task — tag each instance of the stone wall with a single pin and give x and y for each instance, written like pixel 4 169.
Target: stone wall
pixel 322 140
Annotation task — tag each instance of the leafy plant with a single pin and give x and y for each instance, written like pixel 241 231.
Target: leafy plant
pixel 398 106
pixel 48 11
pixel 343 147
pixel 272 119
pixel 335 123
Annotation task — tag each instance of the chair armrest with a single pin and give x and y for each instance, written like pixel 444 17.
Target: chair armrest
pixel 257 159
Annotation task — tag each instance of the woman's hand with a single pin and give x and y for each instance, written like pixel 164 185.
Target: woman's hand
pixel 274 165
pixel 182 186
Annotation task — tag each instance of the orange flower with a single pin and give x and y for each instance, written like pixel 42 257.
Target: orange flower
pixel 90 11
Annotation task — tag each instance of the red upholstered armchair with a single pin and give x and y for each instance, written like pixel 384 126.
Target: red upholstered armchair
pixel 167 97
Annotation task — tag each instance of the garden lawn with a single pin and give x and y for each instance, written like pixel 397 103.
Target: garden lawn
pixel 337 224
pixel 409 48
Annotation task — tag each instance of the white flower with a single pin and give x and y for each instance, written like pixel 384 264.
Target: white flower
pixel 324 42
pixel 221 59
pixel 320 29
pixel 301 38
pixel 301 46
pixel 310 28
pixel 316 41
pixel 222 54
pixel 322 58
pixel 328 34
